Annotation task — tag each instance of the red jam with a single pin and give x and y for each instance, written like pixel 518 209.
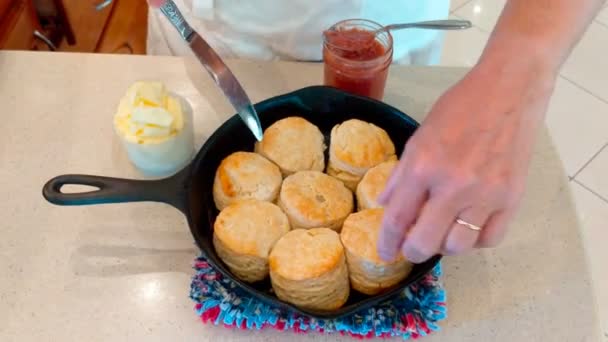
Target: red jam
pixel 357 61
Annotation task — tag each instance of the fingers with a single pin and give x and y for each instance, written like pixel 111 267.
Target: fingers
pixel 461 238
pixel 495 229
pixel 426 237
pixel 406 199
pixel 392 182
pixel 426 194
pixel 156 3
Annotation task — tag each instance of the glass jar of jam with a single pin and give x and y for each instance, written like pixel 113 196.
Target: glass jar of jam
pixel 356 57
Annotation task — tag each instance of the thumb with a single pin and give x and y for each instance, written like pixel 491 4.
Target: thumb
pixel 392 182
pixel 390 185
pixel 400 212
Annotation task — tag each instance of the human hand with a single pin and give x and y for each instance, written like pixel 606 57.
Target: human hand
pixel 156 3
pixel 467 161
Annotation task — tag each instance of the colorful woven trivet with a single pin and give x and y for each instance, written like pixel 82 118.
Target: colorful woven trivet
pixel 412 313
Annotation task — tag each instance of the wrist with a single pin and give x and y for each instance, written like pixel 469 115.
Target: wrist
pixel 515 78
pixel 518 68
pixel 519 57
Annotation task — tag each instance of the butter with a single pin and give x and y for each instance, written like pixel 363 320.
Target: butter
pixel 175 108
pixel 156 116
pixel 147 94
pixel 148 114
pixel 151 131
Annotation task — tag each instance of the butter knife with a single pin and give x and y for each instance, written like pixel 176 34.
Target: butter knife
pixel 218 70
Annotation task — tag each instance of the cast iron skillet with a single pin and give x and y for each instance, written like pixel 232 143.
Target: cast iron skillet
pixel 190 190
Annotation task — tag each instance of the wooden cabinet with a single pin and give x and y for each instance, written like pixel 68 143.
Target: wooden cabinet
pixel 119 26
pixel 106 26
pixel 88 22
pixel 126 29
pixel 20 27
pixel 4 6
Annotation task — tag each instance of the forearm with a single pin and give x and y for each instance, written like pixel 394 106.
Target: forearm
pixel 538 34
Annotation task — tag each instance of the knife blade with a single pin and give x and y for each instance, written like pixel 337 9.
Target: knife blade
pixel 219 71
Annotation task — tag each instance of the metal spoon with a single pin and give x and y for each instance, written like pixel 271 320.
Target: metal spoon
pixel 448 24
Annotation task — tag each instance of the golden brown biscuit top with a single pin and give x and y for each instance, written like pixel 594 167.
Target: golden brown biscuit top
pixel 306 253
pixel 251 227
pixel 316 196
pixel 374 181
pixel 246 172
pixel 360 235
pixel 360 145
pixel 294 144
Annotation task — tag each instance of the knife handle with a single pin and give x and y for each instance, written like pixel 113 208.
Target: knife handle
pixel 170 10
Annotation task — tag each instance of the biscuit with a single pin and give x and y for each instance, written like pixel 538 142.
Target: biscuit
pixel 294 144
pixel 243 235
pixel 355 147
pixel 350 180
pixel 245 175
pixel 373 184
pixel 312 199
pixel 369 274
pixel 308 269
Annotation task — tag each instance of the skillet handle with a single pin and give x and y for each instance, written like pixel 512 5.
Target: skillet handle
pixel 170 190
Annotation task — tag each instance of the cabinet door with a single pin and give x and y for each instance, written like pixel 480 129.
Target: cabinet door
pixel 4 7
pixel 126 29
pixel 19 24
pixel 88 23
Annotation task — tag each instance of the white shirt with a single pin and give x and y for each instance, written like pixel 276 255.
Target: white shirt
pixel 288 29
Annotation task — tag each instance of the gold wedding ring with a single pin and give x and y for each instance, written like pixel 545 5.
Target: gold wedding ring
pixel 468 225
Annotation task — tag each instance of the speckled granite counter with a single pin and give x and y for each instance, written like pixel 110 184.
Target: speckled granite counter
pixel 122 272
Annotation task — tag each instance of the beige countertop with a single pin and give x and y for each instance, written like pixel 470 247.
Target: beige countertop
pixel 122 272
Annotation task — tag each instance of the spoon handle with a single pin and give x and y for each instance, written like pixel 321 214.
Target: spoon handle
pixel 449 24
